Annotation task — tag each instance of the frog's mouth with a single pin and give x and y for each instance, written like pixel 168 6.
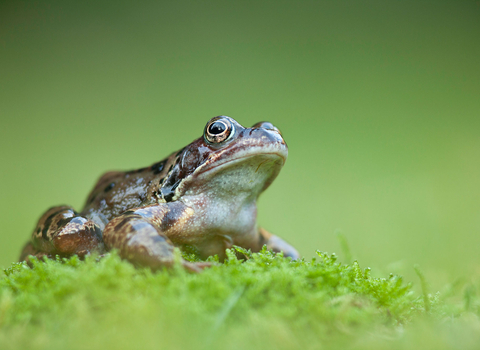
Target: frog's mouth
pixel 275 152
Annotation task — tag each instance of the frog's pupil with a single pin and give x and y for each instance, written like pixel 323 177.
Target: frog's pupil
pixel 216 128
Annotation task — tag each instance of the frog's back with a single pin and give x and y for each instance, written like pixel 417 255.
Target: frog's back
pixel 117 191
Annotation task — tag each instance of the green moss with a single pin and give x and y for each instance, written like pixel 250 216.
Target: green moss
pixel 266 301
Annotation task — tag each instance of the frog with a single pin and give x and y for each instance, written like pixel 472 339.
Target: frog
pixel 202 199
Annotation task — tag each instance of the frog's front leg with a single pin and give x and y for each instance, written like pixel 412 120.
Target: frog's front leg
pixel 276 244
pixel 139 235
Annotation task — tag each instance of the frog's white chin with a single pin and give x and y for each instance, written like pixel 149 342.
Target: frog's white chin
pixel 245 176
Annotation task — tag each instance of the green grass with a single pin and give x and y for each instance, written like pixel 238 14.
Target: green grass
pixel 264 302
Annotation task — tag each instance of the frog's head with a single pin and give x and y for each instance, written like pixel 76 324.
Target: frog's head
pixel 228 159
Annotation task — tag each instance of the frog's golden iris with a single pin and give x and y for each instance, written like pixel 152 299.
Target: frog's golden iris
pixel 218 129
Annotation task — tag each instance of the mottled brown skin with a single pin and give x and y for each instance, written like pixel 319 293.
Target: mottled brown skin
pixel 202 197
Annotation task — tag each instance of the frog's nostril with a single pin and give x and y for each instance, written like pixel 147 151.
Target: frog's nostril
pixel 264 125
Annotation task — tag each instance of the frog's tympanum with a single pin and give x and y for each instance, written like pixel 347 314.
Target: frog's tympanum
pixel 202 198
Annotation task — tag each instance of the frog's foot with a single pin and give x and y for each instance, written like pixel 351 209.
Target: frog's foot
pixel 30 251
pixel 277 244
pixel 137 237
pixel 61 231
pixel 196 266
pixel 40 257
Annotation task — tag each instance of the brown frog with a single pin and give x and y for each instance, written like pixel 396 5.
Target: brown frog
pixel 202 197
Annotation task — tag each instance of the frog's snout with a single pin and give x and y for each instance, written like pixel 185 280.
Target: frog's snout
pixel 270 135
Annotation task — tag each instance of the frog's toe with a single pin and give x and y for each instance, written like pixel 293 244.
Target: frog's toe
pixel 277 244
pixel 292 253
pixel 196 267
pixel 39 256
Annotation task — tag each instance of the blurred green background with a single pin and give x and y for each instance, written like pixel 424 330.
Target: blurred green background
pixel 379 102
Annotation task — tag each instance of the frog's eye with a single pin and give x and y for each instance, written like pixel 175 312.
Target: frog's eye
pixel 218 130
